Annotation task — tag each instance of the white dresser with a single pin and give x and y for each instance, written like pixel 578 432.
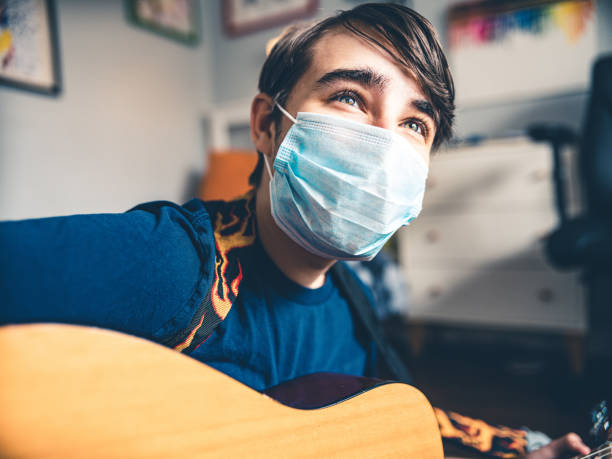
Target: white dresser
pixel 474 256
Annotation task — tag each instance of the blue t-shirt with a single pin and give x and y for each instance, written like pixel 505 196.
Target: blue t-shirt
pixel 278 330
pixel 145 272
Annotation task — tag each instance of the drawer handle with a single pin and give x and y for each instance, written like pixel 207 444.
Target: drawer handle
pixel 538 175
pixel 434 291
pixel 432 236
pixel 546 295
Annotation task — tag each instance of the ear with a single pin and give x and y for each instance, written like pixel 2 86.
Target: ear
pixel 262 126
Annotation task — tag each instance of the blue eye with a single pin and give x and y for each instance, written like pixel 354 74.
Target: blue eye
pixel 416 127
pixel 346 99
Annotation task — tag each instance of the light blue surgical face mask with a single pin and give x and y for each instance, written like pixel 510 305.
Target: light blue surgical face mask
pixel 342 188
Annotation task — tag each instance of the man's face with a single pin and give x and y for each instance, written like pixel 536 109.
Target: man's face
pixel 352 78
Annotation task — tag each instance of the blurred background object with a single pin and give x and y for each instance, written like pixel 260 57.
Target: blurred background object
pixel 504 50
pixel 584 242
pixel 29 48
pixel 243 17
pixel 227 175
pixel 175 19
pixel 474 256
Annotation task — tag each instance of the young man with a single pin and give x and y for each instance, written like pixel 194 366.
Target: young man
pixel 349 111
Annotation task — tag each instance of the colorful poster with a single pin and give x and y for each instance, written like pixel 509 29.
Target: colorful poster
pixel 509 50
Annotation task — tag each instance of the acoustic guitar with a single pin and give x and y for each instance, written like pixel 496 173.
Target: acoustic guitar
pixel 69 391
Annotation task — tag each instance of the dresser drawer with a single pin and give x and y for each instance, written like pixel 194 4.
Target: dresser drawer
pixel 516 176
pixel 516 298
pixel 503 240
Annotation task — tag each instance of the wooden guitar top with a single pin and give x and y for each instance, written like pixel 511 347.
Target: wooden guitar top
pixel 69 391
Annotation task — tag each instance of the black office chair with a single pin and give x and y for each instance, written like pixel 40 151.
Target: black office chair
pixel 584 242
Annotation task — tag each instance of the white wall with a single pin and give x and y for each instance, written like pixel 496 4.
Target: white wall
pixel 126 128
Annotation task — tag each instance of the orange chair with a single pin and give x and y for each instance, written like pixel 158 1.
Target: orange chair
pixel 227 175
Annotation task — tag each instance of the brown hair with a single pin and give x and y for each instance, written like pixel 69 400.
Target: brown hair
pixel 402 33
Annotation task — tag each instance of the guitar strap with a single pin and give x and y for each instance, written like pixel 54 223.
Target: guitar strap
pixel 358 300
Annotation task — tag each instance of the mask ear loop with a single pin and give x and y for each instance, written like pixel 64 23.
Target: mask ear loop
pixel 288 115
pixel 267 166
pixel 285 112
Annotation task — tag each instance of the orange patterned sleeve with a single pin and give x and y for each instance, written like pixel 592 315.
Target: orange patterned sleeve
pixel 495 441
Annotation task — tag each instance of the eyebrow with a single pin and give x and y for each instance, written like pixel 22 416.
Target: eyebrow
pixel 426 108
pixel 364 76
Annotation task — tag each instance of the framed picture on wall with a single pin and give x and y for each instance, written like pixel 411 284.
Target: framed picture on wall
pixel 175 19
pixel 29 46
pixel 241 17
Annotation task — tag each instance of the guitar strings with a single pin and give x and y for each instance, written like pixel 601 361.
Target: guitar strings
pixel 607 449
pixel 596 455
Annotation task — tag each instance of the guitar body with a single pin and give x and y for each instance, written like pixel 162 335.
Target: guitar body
pixel 69 391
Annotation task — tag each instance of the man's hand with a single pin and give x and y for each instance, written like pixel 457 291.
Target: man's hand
pixel 567 446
